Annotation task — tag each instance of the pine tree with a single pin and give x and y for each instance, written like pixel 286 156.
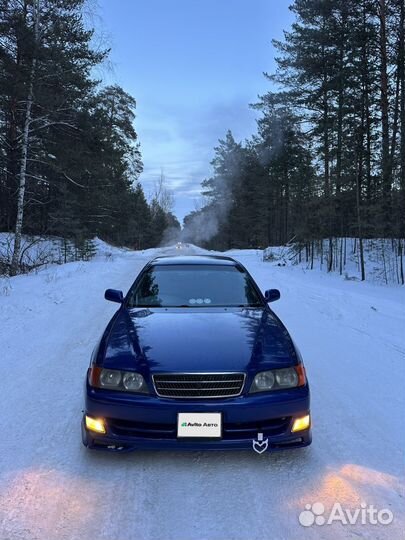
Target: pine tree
pixel 47 67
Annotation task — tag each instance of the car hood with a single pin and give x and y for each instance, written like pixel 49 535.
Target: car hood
pixel 193 340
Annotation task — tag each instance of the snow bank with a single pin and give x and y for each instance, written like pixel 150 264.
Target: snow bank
pixel 40 251
pixel 382 258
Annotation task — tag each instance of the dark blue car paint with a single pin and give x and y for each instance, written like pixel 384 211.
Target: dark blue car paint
pixel 161 340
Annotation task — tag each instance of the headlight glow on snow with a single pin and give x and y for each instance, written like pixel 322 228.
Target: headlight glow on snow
pixel 277 379
pixel 95 424
pixel 114 379
pixel 301 423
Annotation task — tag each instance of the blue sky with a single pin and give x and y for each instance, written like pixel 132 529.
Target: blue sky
pixel 193 66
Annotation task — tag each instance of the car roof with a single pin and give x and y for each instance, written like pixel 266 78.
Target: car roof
pixel 219 260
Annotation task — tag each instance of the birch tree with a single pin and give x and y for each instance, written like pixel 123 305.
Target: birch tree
pixel 25 141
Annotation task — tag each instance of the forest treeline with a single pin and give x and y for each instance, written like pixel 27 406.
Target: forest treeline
pixel 69 154
pixel 328 158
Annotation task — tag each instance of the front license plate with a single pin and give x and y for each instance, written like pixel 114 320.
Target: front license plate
pixel 206 425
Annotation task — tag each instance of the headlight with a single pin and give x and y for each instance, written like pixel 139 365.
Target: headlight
pixel 287 378
pixel 277 379
pixel 110 378
pixel 133 381
pixel 114 379
pixel 263 381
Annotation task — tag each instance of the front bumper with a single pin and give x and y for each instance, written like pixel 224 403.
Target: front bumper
pixel 145 422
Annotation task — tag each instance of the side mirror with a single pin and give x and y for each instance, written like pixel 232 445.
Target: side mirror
pixel 271 295
pixel 114 296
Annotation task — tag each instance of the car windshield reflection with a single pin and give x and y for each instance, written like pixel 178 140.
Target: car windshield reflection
pixel 194 286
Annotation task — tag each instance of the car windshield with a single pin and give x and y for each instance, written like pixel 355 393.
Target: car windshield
pixel 194 286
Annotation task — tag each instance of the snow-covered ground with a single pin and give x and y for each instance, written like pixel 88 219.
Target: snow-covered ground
pixel 382 258
pixel 40 251
pixel 353 341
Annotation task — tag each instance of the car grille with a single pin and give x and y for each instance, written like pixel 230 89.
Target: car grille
pixel 199 385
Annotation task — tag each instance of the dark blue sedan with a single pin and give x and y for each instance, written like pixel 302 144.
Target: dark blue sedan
pixel 194 358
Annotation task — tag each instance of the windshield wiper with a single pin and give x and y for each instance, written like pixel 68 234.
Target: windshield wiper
pixel 198 306
pixel 247 305
pixel 144 306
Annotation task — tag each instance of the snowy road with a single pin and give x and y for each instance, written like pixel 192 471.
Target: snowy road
pixel 352 338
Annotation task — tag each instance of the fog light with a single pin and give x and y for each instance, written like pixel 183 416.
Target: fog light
pixel 301 423
pixel 95 424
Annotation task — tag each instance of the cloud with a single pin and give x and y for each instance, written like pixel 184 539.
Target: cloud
pixel 180 139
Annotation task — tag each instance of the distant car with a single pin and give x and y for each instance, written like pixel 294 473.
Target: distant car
pixel 194 358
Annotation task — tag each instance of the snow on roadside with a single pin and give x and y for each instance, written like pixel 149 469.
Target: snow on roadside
pixel 381 258
pixel 40 251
